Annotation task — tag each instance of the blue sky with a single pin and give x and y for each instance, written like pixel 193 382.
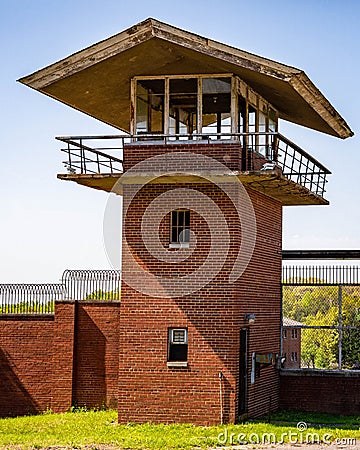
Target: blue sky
pixel 49 225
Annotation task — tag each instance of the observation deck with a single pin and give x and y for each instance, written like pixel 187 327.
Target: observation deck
pixel 266 162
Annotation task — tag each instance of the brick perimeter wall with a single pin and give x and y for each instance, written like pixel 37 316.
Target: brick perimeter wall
pixel 96 354
pixel 41 357
pixel 63 356
pixel 320 391
pixel 26 349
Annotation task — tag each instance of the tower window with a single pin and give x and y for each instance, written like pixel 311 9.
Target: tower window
pixel 150 106
pixel 180 227
pixel 178 345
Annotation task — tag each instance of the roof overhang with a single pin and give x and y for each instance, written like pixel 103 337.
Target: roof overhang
pixel 270 183
pixel 96 80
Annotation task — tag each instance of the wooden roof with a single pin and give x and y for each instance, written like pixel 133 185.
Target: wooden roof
pixel 96 80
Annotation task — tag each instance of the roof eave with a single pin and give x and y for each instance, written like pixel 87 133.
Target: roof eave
pixel 90 56
pixel 317 101
pixel 334 124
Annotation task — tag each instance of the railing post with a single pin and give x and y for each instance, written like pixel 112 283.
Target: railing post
pixel 69 154
pixel 98 162
pixel 274 149
pixel 82 161
pixel 340 294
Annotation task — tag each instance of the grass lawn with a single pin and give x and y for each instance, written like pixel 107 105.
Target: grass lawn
pixel 77 429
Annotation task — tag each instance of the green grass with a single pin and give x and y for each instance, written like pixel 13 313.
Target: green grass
pixel 77 429
pixel 330 420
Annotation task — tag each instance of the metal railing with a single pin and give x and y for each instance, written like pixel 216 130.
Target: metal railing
pixel 91 160
pixel 29 298
pixel 94 154
pixel 92 284
pixel 321 317
pixel 300 167
pixel 320 275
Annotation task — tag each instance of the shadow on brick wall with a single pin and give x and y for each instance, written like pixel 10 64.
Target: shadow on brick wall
pixel 14 398
pixel 89 382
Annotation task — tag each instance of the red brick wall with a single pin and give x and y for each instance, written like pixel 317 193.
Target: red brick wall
pixel 226 153
pixel 63 356
pixel 320 391
pixel 148 389
pixel 260 288
pixel 55 361
pixel 96 354
pixel 25 364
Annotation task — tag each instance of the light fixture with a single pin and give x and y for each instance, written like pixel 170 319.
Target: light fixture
pixel 250 318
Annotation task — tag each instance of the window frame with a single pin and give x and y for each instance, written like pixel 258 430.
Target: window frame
pixel 177 362
pixel 237 88
pixel 294 333
pixel 178 243
pixel 167 78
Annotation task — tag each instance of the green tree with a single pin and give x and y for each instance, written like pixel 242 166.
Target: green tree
pixel 103 295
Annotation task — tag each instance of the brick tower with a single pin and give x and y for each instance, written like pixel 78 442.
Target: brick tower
pixel 204 174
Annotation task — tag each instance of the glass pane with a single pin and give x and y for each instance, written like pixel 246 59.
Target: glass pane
pixel 262 138
pixel 272 120
pixel 216 103
pixel 252 119
pixel 183 106
pixel 141 110
pixel 174 234
pixel 184 235
pixel 174 229
pixel 251 140
pixel 150 106
pixel 179 336
pixel 242 115
pixel 187 218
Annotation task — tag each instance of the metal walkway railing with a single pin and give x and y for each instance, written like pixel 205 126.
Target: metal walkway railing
pixel 105 154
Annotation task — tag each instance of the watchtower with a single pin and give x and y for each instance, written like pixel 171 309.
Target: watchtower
pixel 204 174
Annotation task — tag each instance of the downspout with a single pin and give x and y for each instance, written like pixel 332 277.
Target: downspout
pixel 221 376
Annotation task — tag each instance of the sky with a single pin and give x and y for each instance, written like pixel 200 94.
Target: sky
pixel 48 225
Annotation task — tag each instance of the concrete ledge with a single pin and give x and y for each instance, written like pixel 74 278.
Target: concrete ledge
pixel 27 317
pixel 319 373
pixel 99 302
pixel 177 364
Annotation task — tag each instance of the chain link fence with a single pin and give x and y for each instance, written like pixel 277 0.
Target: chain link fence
pixel 321 317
